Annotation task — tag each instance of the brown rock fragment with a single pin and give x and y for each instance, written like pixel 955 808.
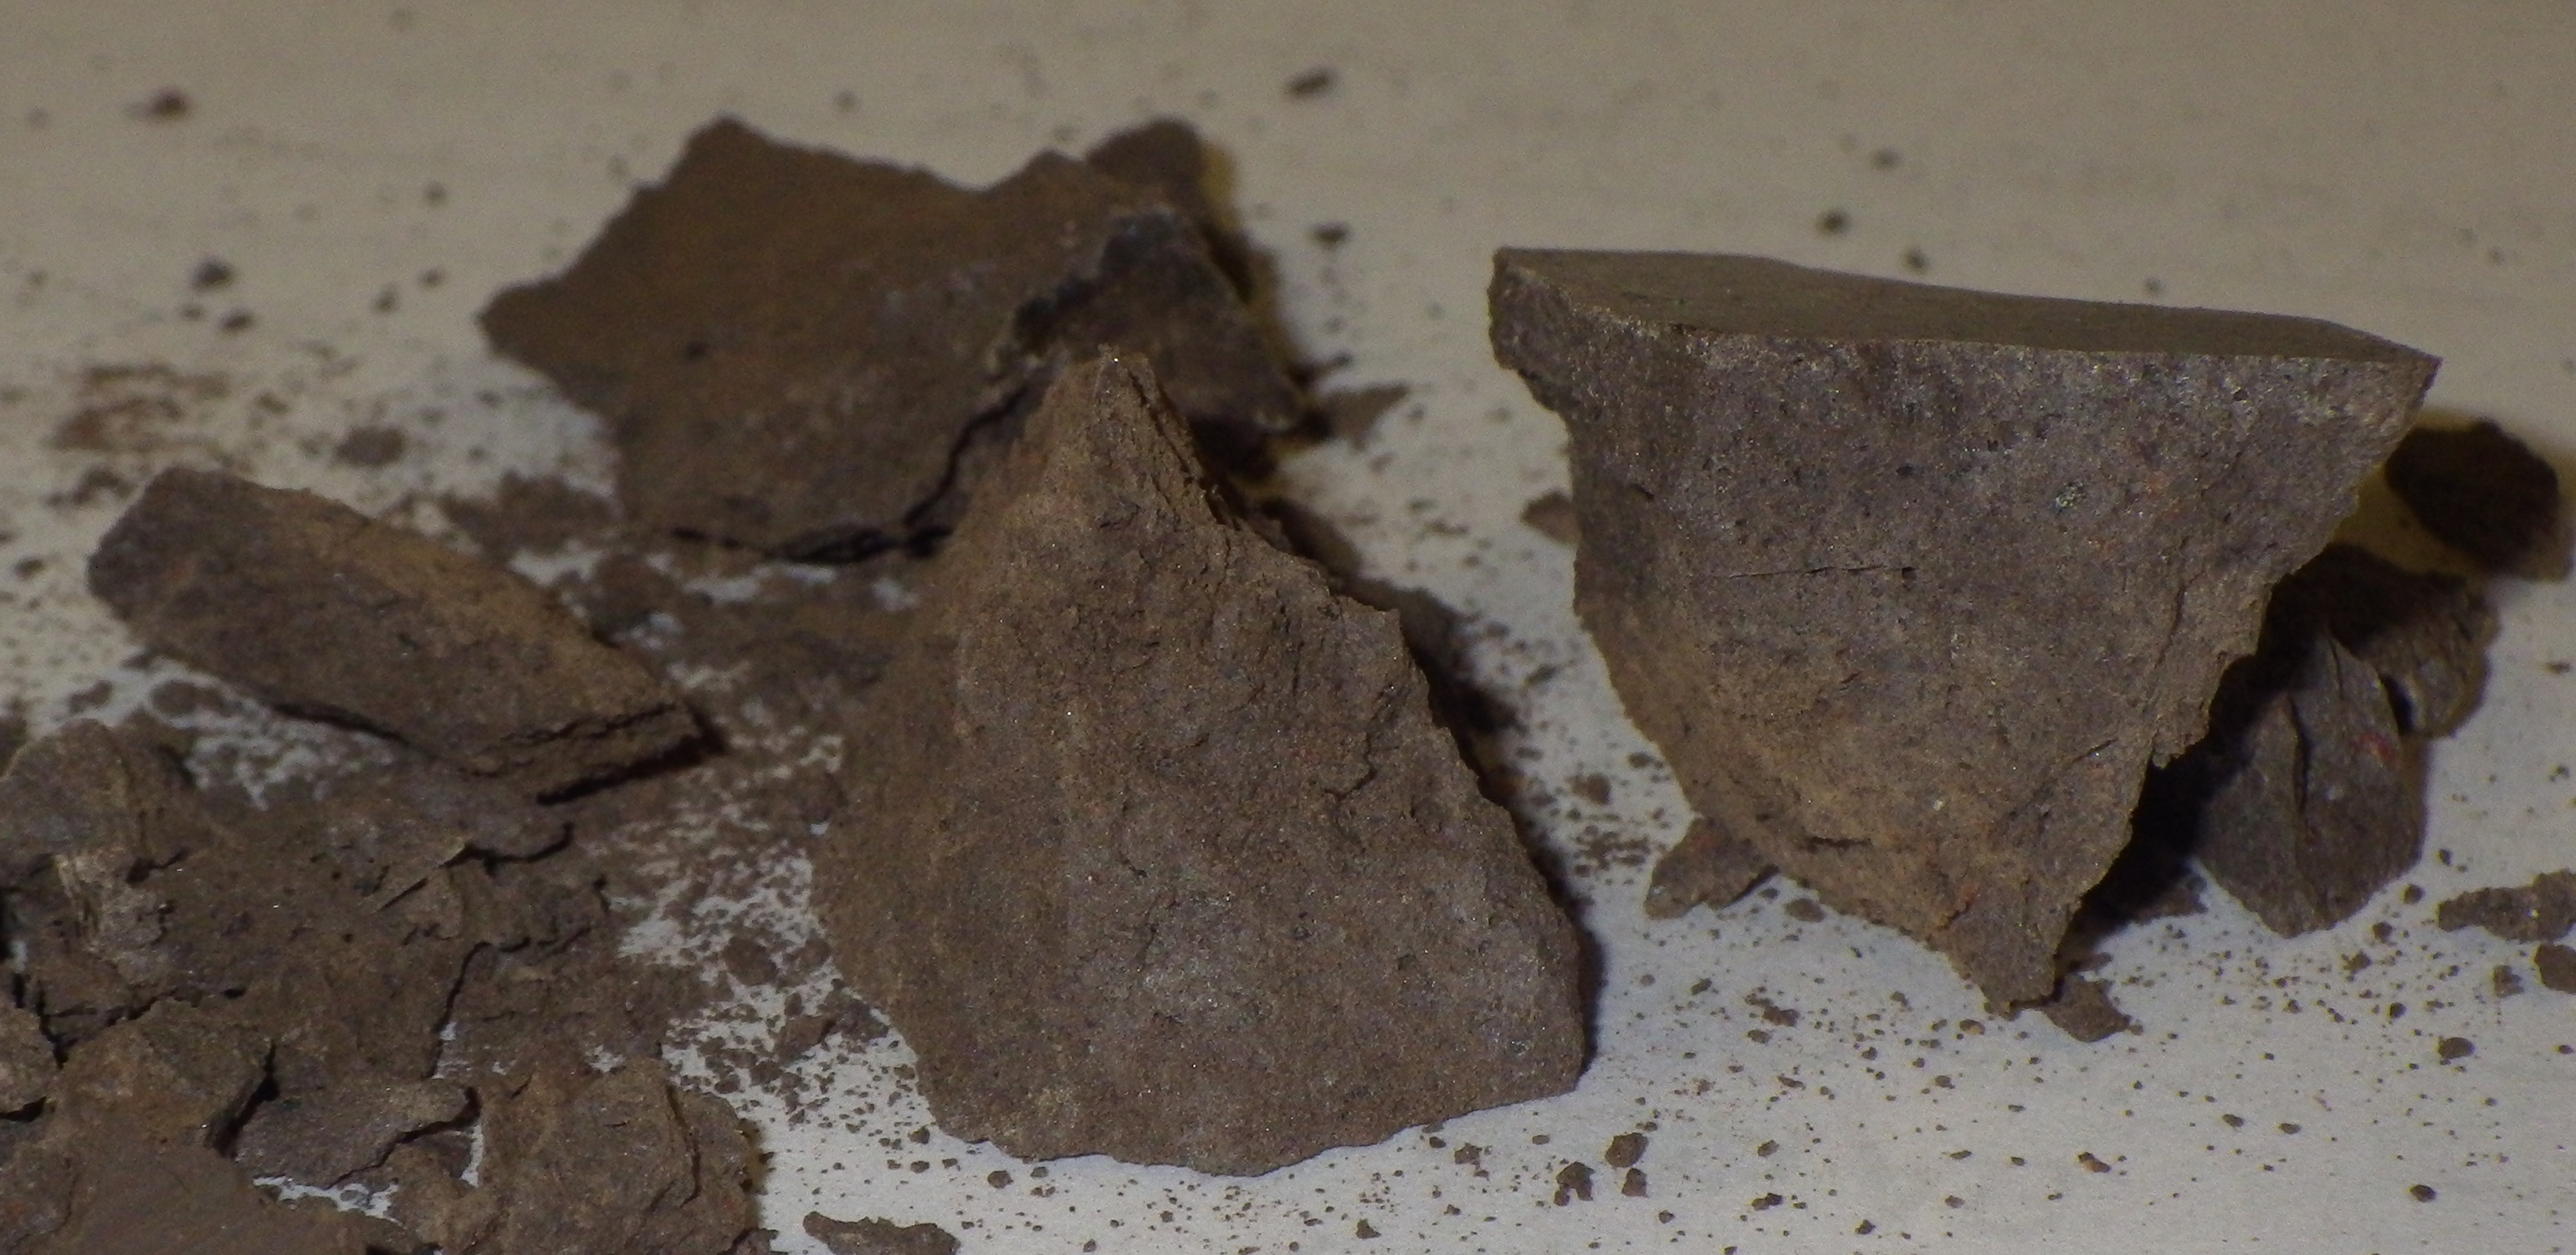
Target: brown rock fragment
pixel 803 353
pixel 1155 850
pixel 87 1189
pixel 1912 584
pixel 1573 1181
pixel 1552 516
pixel 2321 806
pixel 622 1161
pixel 2305 797
pixel 2483 493
pixel 2082 1009
pixel 1709 866
pixel 26 1060
pixel 177 1074
pixel 1625 1150
pixel 2557 966
pixel 879 1237
pixel 323 611
pixel 2543 910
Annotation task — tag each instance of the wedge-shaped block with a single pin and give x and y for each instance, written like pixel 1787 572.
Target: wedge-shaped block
pixel 1912 584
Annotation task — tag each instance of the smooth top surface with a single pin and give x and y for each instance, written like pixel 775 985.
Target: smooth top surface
pixel 1723 294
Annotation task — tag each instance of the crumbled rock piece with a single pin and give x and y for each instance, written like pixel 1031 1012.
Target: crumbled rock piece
pixel 1573 1181
pixel 26 1060
pixel 2305 797
pixel 1708 867
pixel 1625 1150
pixel 879 1237
pixel 1913 584
pixel 2557 966
pixel 86 1188
pixel 345 1129
pixel 138 896
pixel 2320 806
pixel 2425 634
pixel 323 611
pixel 2082 1009
pixel 1154 849
pixel 177 1074
pixel 622 1161
pixel 806 353
pixel 2543 910
pixel 2453 1049
pixel 2483 493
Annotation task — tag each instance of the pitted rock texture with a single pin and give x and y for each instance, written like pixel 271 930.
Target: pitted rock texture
pixel 809 354
pixel 323 611
pixel 1912 584
pixel 1153 848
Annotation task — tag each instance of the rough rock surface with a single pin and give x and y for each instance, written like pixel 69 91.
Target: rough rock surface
pixel 2306 796
pixel 1913 584
pixel 323 611
pixel 801 352
pixel 1154 850
pixel 26 1060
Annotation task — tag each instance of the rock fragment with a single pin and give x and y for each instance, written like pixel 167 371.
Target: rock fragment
pixel 1709 866
pixel 2543 910
pixel 1155 850
pixel 622 1161
pixel 2306 796
pixel 879 1237
pixel 812 355
pixel 26 1061
pixel 2082 1009
pixel 2483 493
pixel 2557 966
pixel 1913 584
pixel 323 611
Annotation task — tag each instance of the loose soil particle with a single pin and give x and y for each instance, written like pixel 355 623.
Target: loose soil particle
pixel 1836 529
pixel 1153 848
pixel 322 611
pixel 2557 966
pixel 2543 910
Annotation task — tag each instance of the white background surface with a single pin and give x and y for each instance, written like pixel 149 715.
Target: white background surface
pixel 2407 169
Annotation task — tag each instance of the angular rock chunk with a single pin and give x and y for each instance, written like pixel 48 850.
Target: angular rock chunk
pixel 1710 867
pixel 2320 807
pixel 795 350
pixel 86 1189
pixel 323 611
pixel 1155 850
pixel 2483 493
pixel 2543 910
pixel 2305 798
pixel 26 1060
pixel 1912 584
pixel 137 896
pixel 2557 966
pixel 622 1162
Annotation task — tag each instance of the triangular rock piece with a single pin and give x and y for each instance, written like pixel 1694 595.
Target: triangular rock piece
pixel 1912 584
pixel 794 349
pixel 1153 847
